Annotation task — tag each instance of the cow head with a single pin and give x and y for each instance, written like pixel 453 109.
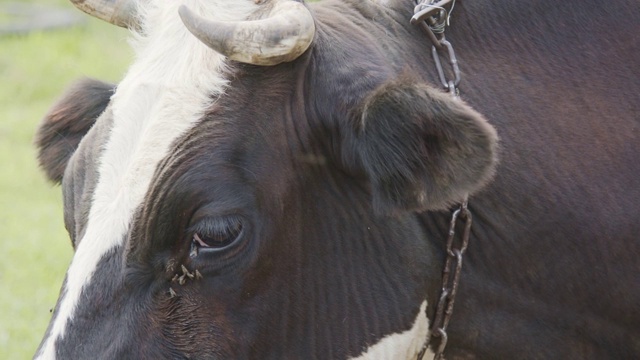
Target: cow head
pixel 250 188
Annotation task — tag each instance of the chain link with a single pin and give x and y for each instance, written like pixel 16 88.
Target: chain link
pixel 433 17
pixel 450 280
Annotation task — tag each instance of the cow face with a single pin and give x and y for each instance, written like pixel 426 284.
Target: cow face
pixel 227 210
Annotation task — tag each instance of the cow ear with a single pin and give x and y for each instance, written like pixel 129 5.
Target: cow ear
pixel 67 122
pixel 421 148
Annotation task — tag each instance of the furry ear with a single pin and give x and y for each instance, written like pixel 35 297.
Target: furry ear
pixel 421 148
pixel 67 122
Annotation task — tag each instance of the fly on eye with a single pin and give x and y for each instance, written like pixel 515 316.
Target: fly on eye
pixel 218 232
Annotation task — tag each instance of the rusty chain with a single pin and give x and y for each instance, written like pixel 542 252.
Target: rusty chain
pixel 433 17
pixel 450 280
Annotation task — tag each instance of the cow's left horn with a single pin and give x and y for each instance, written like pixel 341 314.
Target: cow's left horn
pixel 282 37
pixel 117 12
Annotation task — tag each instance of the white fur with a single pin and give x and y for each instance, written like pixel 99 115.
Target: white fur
pixel 164 94
pixel 383 2
pixel 402 346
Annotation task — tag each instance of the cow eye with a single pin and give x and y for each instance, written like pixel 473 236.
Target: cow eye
pixel 217 233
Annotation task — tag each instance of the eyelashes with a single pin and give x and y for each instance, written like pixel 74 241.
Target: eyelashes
pixel 217 233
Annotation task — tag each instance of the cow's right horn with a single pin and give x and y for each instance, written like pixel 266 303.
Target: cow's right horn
pixel 283 36
pixel 116 12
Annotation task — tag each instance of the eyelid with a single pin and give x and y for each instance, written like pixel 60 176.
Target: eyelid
pixel 229 228
pixel 209 223
pixel 209 257
pixel 208 213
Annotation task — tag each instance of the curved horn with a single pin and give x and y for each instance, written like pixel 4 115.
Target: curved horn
pixel 282 37
pixel 116 12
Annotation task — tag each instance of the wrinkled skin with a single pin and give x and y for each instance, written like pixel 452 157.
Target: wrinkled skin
pixel 340 168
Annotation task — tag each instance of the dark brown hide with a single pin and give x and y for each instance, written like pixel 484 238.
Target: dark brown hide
pixel 312 155
pixel 552 270
pixel 421 149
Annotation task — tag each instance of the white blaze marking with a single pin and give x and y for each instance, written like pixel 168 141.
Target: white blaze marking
pixel 163 95
pixel 404 345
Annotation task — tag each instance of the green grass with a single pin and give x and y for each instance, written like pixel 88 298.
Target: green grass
pixel 34 70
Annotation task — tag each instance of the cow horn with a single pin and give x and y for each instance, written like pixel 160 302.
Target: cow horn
pixel 281 37
pixel 117 12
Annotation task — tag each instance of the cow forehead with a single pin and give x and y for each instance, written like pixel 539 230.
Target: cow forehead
pixel 163 95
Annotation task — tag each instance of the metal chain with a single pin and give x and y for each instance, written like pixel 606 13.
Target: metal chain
pixel 433 17
pixel 450 280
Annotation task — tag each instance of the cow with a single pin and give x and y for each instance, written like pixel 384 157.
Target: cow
pixel 275 179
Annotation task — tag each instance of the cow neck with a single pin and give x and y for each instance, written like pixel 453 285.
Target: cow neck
pixel 433 17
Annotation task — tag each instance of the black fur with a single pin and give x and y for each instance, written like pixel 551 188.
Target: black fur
pixel 421 148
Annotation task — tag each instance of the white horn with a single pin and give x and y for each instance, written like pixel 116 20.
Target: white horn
pixel 117 12
pixel 281 37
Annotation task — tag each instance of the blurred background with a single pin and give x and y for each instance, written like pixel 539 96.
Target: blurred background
pixel 44 46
